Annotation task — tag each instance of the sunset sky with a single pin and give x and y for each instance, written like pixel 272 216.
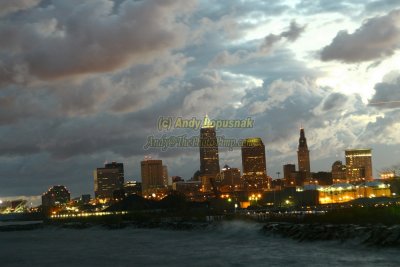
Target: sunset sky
pixel 85 82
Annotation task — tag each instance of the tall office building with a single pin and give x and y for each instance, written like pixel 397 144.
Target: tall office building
pixel 152 176
pixel 303 156
pixel 358 165
pixel 120 167
pixel 289 175
pixel 338 172
pixel 133 188
pixel 165 175
pixel 230 177
pixel 209 158
pixel 56 195
pixel 107 180
pixel 254 164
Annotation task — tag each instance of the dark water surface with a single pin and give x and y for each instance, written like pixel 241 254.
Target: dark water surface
pixel 229 244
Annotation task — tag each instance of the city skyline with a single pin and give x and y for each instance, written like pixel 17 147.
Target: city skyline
pixel 252 147
pixel 74 94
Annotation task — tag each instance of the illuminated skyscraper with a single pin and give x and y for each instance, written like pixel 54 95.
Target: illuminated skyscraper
pixel 152 176
pixel 358 165
pixel 120 167
pixel 56 195
pixel 303 156
pixel 254 164
pixel 338 172
pixel 107 180
pixel 209 159
pixel 165 175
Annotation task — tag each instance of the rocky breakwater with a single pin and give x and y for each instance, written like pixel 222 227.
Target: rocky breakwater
pixel 380 235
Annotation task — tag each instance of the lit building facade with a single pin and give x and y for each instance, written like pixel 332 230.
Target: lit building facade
pixel 303 156
pixel 358 165
pixel 56 195
pixel 387 174
pixel 289 174
pixel 322 178
pixel 191 189
pixel 165 175
pixel 254 165
pixel 132 188
pixel 152 177
pixel 340 193
pixel 338 172
pixel 230 179
pixel 107 180
pixel 209 157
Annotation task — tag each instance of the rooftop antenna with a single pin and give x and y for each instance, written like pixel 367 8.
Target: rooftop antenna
pixel 207 122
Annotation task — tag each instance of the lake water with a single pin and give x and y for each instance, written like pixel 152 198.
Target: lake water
pixel 229 244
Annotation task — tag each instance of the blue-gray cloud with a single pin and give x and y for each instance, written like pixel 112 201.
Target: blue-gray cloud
pixel 377 38
pixel 82 82
pixel 75 37
pixel 387 93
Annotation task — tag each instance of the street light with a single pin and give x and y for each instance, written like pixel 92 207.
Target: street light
pixel 254 197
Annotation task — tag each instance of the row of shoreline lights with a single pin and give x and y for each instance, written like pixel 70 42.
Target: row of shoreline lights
pixel 254 197
pixel 88 214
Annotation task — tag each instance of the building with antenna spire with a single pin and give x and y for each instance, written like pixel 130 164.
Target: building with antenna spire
pixel 209 157
pixel 303 156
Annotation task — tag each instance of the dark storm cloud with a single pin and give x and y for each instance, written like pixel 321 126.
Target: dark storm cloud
pixel 66 138
pixel 80 98
pixel 44 102
pixel 148 59
pixel 120 92
pixel 11 6
pixel 333 101
pixel 377 38
pixel 328 6
pixel 267 44
pixel 294 31
pixel 272 67
pixel 382 5
pixel 216 9
pixel 387 94
pixel 75 37
pixel 34 174
pixel 383 130
pixel 291 35
pixel 134 86
pixel 19 104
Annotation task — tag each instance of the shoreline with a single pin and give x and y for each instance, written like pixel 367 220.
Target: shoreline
pixel 369 234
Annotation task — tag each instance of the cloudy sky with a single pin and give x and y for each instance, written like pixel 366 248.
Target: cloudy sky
pixel 85 82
